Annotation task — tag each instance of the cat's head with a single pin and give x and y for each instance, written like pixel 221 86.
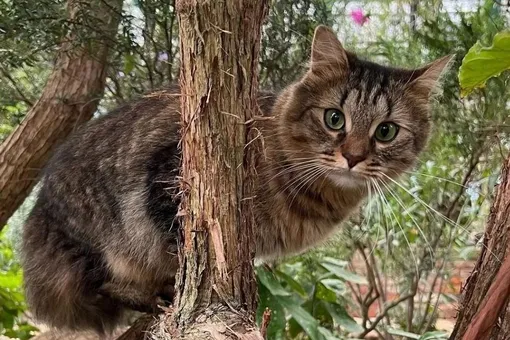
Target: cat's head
pixel 355 119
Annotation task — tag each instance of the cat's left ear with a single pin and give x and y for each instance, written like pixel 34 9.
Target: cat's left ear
pixel 428 78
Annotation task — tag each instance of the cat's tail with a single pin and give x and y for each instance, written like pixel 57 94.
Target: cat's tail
pixel 62 276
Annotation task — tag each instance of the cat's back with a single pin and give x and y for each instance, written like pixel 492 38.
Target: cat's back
pixel 98 203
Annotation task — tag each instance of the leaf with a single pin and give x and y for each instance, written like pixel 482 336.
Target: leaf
pixel 336 262
pixel 11 281
pixel 482 63
pixel 302 317
pixel 342 318
pixel 393 331
pixel 326 333
pixel 276 327
pixel 336 285
pixel 129 63
pixel 344 274
pixel 296 286
pixel 324 293
pixel 271 282
pixel 437 335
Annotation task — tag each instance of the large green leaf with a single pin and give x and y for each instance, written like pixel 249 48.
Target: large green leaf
pixel 278 321
pixel 482 63
pixel 393 331
pixel 342 318
pixel 10 280
pixel 271 282
pixel 344 274
pixel 326 333
pixel 296 286
pixel 302 317
pixel 336 285
pixel 324 293
pixel 437 335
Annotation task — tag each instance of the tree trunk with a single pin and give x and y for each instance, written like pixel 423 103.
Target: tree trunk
pixel 69 98
pixel 484 312
pixel 216 287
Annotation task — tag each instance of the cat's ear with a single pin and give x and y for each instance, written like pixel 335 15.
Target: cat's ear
pixel 427 79
pixel 328 54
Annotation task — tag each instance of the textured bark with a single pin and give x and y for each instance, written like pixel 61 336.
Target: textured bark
pixel 69 98
pixel 220 43
pixel 484 312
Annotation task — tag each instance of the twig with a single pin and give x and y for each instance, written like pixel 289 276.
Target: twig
pixel 266 318
pixel 382 314
pixel 16 87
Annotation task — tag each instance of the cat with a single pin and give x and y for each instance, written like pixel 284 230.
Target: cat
pixel 101 238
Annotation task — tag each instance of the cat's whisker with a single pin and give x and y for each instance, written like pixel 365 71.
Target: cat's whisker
pixel 381 210
pixel 401 203
pixel 293 168
pixel 445 180
pixel 296 183
pixel 291 162
pixel 443 217
pixel 310 179
pixel 369 218
pixel 398 223
pixel 369 195
pixel 298 178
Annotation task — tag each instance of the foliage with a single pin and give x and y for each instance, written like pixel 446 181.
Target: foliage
pixel 305 299
pixel 482 63
pixel 12 302
pixel 408 237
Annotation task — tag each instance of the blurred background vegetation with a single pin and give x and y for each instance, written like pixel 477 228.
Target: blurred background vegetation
pixel 393 271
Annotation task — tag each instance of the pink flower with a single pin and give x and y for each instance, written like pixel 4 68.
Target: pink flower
pixel 359 17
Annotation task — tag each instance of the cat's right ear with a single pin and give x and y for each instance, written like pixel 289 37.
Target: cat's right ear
pixel 328 55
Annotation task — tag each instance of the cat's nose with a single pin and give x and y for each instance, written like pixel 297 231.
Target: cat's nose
pixel 352 160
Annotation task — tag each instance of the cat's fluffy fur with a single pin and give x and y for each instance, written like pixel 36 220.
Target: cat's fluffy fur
pixel 102 238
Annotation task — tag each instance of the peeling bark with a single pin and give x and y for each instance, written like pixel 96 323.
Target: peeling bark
pixel 484 312
pixel 69 98
pixel 216 286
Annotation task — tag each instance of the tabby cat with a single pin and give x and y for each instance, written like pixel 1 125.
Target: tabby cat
pixel 101 239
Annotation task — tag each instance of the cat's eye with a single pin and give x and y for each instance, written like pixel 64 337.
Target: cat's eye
pixel 386 132
pixel 334 119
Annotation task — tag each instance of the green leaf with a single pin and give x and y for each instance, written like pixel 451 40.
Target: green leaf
pixel 11 281
pixel 271 282
pixel 334 261
pixel 302 317
pixel 326 333
pixel 336 285
pixel 393 331
pixel 324 293
pixel 437 335
pixel 296 286
pixel 276 327
pixel 344 274
pixel 342 318
pixel 482 63
pixel 129 63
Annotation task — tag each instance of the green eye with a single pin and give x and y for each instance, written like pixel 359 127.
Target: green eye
pixel 334 119
pixel 386 132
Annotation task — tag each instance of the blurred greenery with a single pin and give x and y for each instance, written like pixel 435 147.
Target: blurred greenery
pixel 391 267
pixel 13 324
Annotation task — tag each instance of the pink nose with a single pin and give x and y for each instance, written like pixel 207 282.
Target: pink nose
pixel 352 160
